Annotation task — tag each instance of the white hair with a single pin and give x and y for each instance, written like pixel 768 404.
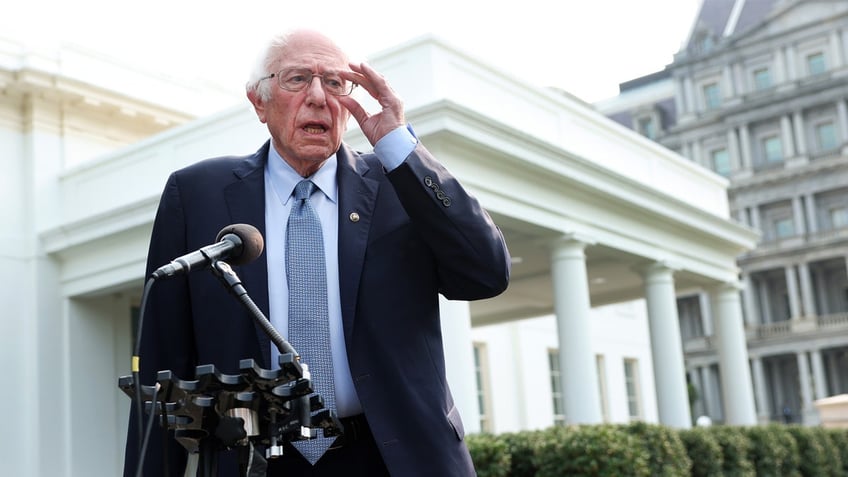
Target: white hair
pixel 265 64
pixel 269 60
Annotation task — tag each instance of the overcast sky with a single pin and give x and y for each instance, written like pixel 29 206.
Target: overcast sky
pixel 585 47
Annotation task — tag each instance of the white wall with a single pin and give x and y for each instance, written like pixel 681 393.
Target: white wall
pixel 519 373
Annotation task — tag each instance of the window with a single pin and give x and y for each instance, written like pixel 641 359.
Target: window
pixel 838 217
pixel 481 373
pixel 784 227
pixel 826 136
pixel 816 64
pixel 720 162
pixel 647 128
pixel 762 79
pixel 773 149
pixel 631 382
pixel 556 387
pixel 602 386
pixel 712 96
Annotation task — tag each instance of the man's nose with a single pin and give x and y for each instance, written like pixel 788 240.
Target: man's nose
pixel 315 93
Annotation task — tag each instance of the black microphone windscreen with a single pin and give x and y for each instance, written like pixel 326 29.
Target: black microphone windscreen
pixel 252 243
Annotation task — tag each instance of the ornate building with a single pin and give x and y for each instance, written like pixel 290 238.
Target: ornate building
pixel 759 94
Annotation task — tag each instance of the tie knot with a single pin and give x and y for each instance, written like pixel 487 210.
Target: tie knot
pixel 304 189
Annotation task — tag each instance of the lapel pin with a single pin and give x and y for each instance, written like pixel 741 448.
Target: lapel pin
pixel 354 217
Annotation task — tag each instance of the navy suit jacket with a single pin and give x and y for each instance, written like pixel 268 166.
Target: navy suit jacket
pixel 419 234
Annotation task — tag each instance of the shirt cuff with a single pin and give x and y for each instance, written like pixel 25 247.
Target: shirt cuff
pixel 393 148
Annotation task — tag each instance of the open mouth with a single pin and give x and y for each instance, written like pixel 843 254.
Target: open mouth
pixel 314 128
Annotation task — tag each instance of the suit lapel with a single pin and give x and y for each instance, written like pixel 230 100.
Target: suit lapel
pixel 357 197
pixel 245 199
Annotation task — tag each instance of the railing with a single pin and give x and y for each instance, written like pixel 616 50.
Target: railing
pixel 834 320
pixel 773 330
pixel 781 329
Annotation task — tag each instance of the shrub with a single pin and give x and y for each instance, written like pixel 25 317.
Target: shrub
pixel 667 456
pixel 818 456
pixel 489 454
pixel 735 450
pixel 839 441
pixel 774 451
pixel 704 451
pixel 522 446
pixel 598 451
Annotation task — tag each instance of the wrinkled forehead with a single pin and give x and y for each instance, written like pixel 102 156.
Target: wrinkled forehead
pixel 313 52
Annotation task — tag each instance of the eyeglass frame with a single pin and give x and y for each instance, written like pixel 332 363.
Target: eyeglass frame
pixel 308 82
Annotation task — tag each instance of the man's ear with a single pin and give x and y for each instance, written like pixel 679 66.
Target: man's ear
pixel 258 104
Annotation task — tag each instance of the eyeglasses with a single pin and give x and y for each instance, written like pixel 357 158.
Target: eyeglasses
pixel 297 79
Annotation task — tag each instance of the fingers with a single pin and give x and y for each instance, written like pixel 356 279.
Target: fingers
pixel 374 83
pixel 356 109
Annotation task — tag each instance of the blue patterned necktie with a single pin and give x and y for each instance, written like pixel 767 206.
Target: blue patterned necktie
pixel 309 327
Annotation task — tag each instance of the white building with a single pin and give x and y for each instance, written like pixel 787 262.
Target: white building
pixel 595 216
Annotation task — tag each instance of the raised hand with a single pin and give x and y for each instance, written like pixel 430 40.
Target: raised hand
pixel 373 125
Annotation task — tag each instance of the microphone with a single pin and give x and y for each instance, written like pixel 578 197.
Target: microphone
pixel 237 243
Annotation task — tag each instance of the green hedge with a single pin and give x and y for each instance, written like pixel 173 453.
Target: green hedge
pixel 774 451
pixel 640 449
pixel 704 452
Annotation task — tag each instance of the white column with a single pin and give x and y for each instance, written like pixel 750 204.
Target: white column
pixel 733 357
pixel 786 137
pixel 800 135
pixel 678 97
pixel 760 390
pixel 792 291
pixel 819 380
pixel 812 219
pixel 745 147
pixel 842 114
pixel 807 298
pixel 706 313
pixel 666 347
pixel 571 306
pixel 764 292
pixel 752 312
pixel 836 49
pixel 733 150
pixel 798 215
pixel 459 357
pixel 689 95
pixel 804 379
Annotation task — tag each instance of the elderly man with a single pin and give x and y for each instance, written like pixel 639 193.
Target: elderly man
pixel 358 249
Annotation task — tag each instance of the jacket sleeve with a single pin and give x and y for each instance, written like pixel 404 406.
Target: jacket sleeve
pixel 472 258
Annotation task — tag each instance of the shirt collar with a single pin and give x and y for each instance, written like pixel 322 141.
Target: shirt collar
pixel 284 178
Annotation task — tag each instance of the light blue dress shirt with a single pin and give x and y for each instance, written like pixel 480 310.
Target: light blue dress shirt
pixel 280 180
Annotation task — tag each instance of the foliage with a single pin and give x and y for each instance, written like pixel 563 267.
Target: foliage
pixel 735 450
pixel 666 453
pixel 601 450
pixel 489 454
pixel 523 447
pixel 839 440
pixel 774 451
pixel 638 449
pixel 704 452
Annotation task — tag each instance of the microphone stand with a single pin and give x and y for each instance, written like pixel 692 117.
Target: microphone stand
pixel 251 411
